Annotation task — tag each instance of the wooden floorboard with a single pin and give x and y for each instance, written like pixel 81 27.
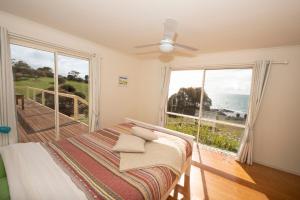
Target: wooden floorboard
pixel 219 176
pixel 36 124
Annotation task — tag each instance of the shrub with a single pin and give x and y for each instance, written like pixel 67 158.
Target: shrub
pixel 61 80
pixel 220 138
pixel 68 88
pixel 51 88
pixel 80 94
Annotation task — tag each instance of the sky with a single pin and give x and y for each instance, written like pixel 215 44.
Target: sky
pixel 229 81
pixel 184 78
pixel 37 58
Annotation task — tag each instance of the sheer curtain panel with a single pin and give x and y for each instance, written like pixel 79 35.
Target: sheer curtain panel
pixel 7 95
pixel 94 91
pixel 260 76
pixel 166 72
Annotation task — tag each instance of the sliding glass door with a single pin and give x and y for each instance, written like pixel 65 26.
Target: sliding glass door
pixel 33 71
pixel 51 94
pixel 73 80
pixel 184 101
pixel 210 104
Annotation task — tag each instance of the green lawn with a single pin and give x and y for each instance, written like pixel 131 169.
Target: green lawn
pixel 43 82
pixel 219 136
pixel 46 82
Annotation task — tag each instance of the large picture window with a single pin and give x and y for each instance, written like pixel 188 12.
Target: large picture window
pixel 210 104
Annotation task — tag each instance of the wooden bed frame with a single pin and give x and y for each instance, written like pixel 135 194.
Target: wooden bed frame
pixel 186 168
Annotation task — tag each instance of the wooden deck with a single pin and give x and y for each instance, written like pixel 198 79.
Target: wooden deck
pixel 36 124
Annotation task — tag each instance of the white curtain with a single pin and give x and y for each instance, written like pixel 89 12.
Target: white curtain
pixel 166 72
pixel 260 76
pixel 94 91
pixel 7 95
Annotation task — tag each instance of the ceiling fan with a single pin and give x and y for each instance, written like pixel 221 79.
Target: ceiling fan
pixel 167 44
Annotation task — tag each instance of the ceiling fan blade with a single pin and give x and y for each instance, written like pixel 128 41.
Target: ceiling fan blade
pixel 148 53
pixel 147 45
pixel 186 47
pixel 170 27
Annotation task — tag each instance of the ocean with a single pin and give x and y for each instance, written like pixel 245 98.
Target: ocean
pixel 234 102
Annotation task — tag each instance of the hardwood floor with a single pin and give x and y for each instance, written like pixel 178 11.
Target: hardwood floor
pixel 216 176
pixel 36 124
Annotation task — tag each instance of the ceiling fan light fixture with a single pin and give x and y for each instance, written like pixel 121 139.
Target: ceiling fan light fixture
pixel 166 46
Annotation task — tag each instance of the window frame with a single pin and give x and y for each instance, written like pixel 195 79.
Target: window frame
pixel 199 118
pixel 56 50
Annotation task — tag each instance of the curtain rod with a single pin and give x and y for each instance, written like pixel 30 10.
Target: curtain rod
pixel 225 66
pixel 65 50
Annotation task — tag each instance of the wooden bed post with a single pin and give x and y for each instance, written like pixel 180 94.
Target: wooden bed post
pixel 188 170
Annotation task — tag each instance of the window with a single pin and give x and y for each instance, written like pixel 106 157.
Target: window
pixel 229 92
pixel 37 84
pixel 213 103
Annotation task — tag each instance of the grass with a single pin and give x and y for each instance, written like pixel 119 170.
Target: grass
pixel 80 87
pixel 216 135
pixel 42 83
pixel 46 82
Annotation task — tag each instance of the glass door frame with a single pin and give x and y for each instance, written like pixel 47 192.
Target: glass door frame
pixel 57 51
pixel 56 88
pixel 199 117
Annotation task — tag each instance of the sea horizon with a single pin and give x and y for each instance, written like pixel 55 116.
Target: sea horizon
pixel 237 103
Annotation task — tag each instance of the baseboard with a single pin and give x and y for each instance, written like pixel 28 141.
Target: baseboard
pixel 278 168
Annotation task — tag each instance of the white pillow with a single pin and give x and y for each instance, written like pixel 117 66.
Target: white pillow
pixel 144 133
pixel 130 144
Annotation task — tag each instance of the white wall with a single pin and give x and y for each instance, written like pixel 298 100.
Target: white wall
pixel 116 102
pixel 277 131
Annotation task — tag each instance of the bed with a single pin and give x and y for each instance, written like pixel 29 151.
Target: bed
pixel 86 167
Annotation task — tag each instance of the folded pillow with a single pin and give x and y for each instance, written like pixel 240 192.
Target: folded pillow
pixel 130 144
pixel 144 133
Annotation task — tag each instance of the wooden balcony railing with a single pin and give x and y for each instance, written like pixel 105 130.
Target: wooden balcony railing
pixel 75 98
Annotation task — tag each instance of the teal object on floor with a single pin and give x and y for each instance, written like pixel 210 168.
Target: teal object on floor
pixel 4 132
pixel 4 129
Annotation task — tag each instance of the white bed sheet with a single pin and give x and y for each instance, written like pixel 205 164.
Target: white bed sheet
pixel 33 174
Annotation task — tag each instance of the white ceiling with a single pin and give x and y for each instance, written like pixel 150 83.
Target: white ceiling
pixel 209 25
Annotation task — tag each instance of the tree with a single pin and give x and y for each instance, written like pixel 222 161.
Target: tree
pixel 86 78
pixel 21 67
pixel 22 70
pixel 187 101
pixel 73 75
pixel 44 72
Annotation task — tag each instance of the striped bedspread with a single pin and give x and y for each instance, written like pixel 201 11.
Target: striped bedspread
pixel 89 160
